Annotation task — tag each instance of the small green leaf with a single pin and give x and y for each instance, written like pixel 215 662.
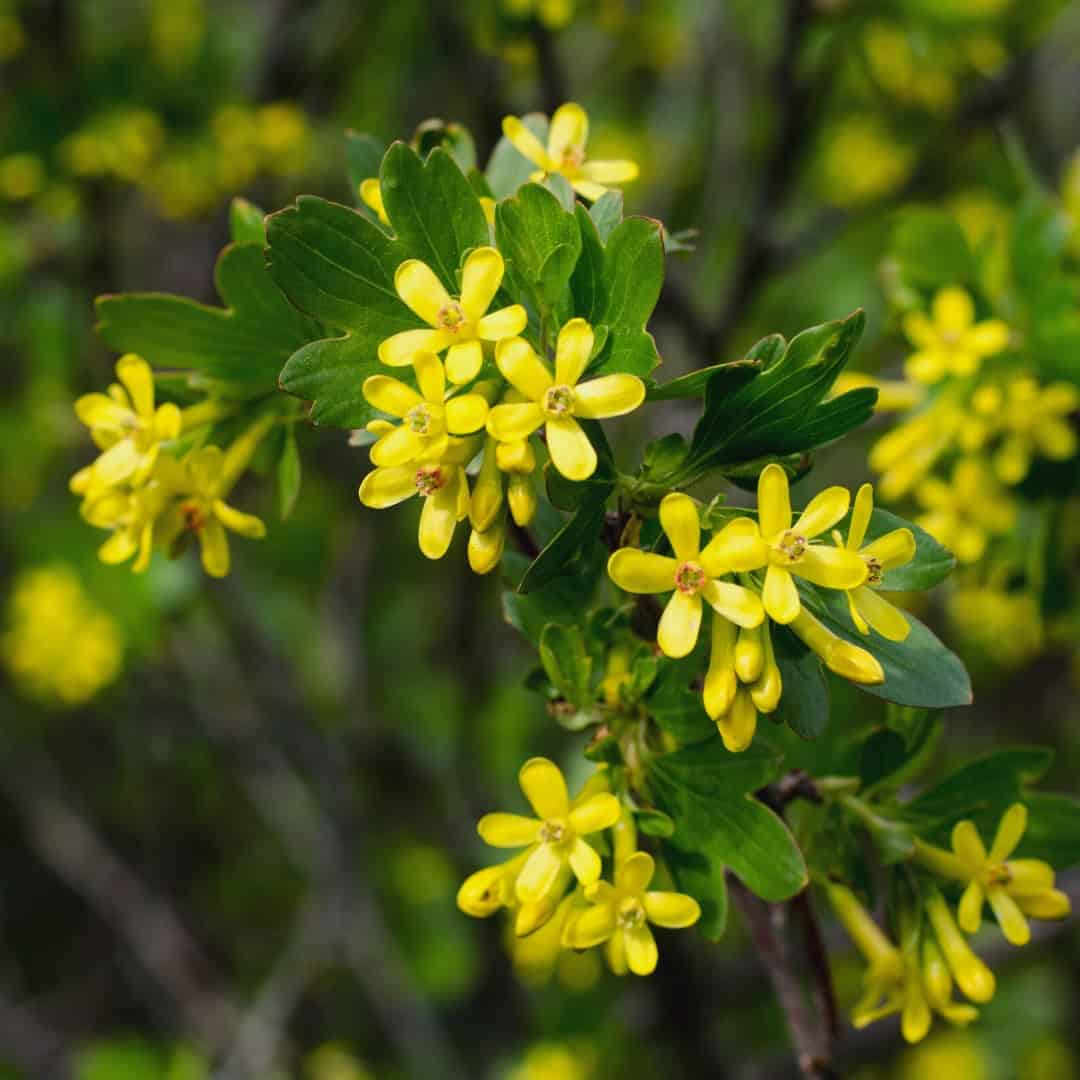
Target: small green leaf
pixel 288 474
pixel 675 703
pixel 607 214
pixel 560 600
pixel 664 457
pixel 729 377
pixel 560 187
pixel 454 138
pixel 654 823
pixel 246 222
pixel 587 282
pixel 567 663
pixel 507 170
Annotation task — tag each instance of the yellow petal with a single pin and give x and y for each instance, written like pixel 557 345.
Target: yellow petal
pixel 635 873
pixel 969 910
pixel 641 951
pixel 856 616
pixel 860 517
pixel 735 603
pixel 117 463
pixel 400 350
pixel 480 894
pixel 609 395
pixel 953 310
pixel 439 518
pixel 672 910
pixel 168 421
pixel 572 351
pixel 973 977
pixel 680 522
pixel 238 522
pixel 967 843
pixel 516 457
pixel 584 861
pixel 118 548
pixel 600 811
pixel 522 499
pixel 592 927
pixel 464 361
pixel 610 172
pixel 524 141
pixel 926 366
pixel 1028 877
pixel 1055 439
pixel 466 413
pixel 832 567
pixel 387 487
pixel 544 787
pixel 214 548
pixel 511 423
pixel 481 277
pixel 890 622
pixel 539 874
pixel 505 323
pixel 418 286
pixel 767 691
pixel 398 447
pixel 823 511
pixel 919 330
pixel 750 654
pixel 1009 916
pixel 891 550
pixel 485 549
pixel 642 572
pixel 987 338
pixel 134 372
pixel 571 452
pixel 720 680
pixel 780 596
pixel 1009 833
pixel 915 1016
pixel 679 625
pixel 371 193
pixel 522 368
pixel 508 830
pixel 738 724
pixel 430 377
pixel 736 548
pixel 774 501
pixel 588 189
pixel 568 134
pixel 1052 904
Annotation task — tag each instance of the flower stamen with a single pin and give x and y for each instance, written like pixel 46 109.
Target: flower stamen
pixel 558 400
pixel 690 578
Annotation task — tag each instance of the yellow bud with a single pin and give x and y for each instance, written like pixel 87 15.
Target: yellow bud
pixel 481 894
pixel 720 680
pixel 935 974
pixel 840 656
pixel 973 977
pixel 516 457
pixel 767 690
pixel 521 496
pixel 487 494
pixel 738 724
pixel 486 548
pixel 749 654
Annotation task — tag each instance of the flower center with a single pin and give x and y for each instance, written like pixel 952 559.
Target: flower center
pixel 630 914
pixel 429 478
pixel 874 570
pixel 950 336
pixel 418 419
pixel 689 578
pixel 194 517
pixel 558 400
pixel 452 316
pixel 571 159
pixel 552 832
pixel 792 545
pixel 998 874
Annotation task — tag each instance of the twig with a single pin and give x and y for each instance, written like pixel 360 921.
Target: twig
pixel 31 1044
pixel 552 76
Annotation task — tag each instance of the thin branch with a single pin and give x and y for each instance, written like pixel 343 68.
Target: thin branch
pixel 31 1044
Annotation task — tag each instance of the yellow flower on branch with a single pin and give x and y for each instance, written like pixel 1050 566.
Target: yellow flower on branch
pixel 963 514
pixel 742 680
pixel 621 912
pixel 565 153
pixel 458 325
pixel 557 403
pixel 1035 421
pixel 556 836
pixel 887 552
pixel 951 342
pixel 428 418
pixel 693 574
pixel 1014 888
pixel 130 516
pixel 909 451
pixel 840 656
pixel 789 546
pixel 972 975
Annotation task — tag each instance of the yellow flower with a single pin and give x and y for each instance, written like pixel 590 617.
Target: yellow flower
pixel 789 550
pixel 486 891
pixel 1013 887
pixel 428 418
pixel 556 403
pixel 907 453
pixel 554 14
pixel 952 343
pixel 694 573
pixel 840 656
pixel 565 152
pixel 126 426
pixel 963 514
pixel 620 915
pixel 742 680
pixel 202 510
pixel 973 977
pixel 371 193
pixel 895 548
pixel 458 325
pixel 442 483
pixel 894 395
pixel 1035 421
pixel 556 837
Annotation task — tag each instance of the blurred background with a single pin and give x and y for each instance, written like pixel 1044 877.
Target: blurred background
pixel 235 814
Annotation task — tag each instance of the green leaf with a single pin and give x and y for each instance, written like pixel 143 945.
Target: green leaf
pixel 804 702
pixel 894 754
pixel 363 157
pixel 729 376
pixel 780 410
pixel 932 562
pixel 433 209
pixel 560 187
pixel 1053 831
pixel 931 250
pixel 507 169
pixel 567 662
pixel 607 214
pixel 675 703
pixel 288 474
pixel 454 138
pixel 336 265
pixel 560 600
pixel 654 823
pixel 720 825
pixel 569 545
pixel 541 242
pixel 663 457
pixel 246 224
pixel 245 342
pixel 587 281
pixel 919 671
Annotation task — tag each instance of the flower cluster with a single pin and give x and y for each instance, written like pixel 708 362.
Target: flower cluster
pixel 154 482
pixel 915 976
pixel 556 881
pixel 747 573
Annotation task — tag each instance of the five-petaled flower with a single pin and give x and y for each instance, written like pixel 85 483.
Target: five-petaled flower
pixel 427 418
pixel 788 547
pixel 693 574
pixel 556 837
pixel 621 912
pixel 458 325
pixel 951 343
pixel 887 552
pixel 565 152
pixel 1014 888
pixel 557 403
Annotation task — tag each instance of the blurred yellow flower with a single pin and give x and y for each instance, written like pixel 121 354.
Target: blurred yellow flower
pixel 862 161
pixel 554 14
pixel 553 1061
pixel 951 342
pixel 22 176
pixel 965 512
